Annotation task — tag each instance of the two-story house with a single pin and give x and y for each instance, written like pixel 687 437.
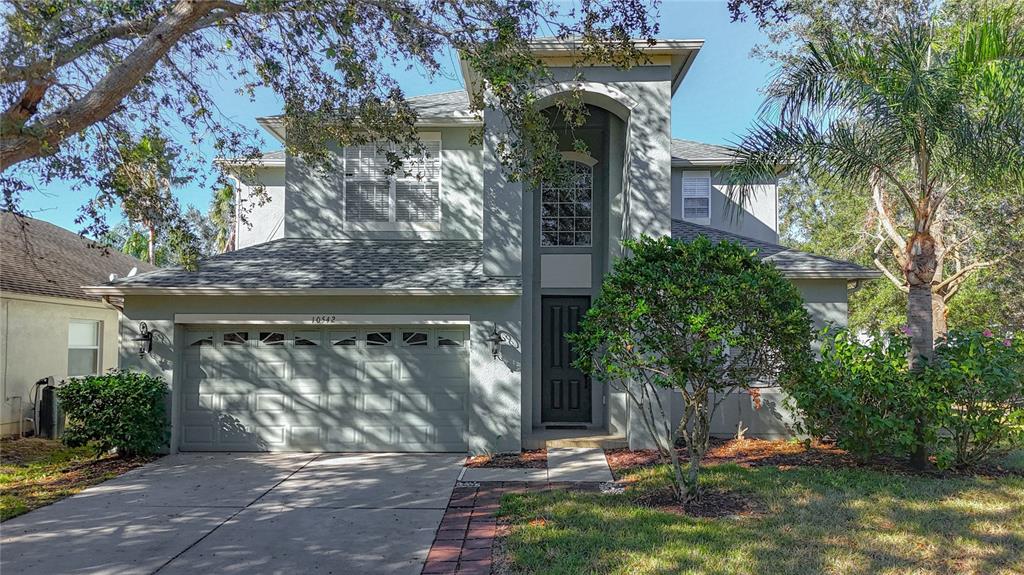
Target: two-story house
pixel 369 312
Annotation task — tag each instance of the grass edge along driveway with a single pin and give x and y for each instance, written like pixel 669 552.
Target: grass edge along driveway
pixel 35 472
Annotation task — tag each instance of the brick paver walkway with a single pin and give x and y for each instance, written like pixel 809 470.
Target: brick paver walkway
pixel 465 538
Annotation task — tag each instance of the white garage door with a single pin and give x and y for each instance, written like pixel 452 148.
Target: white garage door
pixel 274 388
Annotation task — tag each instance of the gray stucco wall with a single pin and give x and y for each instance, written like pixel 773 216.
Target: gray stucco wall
pixel 314 206
pixel 758 219
pixel 495 385
pixel 826 301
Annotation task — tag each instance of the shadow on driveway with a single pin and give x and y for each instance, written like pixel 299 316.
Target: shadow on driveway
pixel 243 513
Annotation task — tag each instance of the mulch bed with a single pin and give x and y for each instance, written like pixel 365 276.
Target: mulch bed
pixel 787 455
pixel 712 503
pixel 527 459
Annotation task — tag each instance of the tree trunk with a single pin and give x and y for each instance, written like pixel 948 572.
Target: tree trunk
pixel 151 248
pixel 920 272
pixel 939 325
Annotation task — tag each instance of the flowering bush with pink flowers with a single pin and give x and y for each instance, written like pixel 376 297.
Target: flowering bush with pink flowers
pixel 980 377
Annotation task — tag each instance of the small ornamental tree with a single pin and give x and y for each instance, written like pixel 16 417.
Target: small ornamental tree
pixel 701 319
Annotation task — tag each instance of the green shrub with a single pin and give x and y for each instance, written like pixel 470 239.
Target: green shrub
pixel 981 381
pixel 862 395
pixel 702 319
pixel 120 410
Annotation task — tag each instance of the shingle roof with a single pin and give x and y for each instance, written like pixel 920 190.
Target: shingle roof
pixel 688 152
pixel 305 263
pixel 792 263
pixel 441 105
pixel 39 258
pixel 276 155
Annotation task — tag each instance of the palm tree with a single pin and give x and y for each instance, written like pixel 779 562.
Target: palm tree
pixel 916 113
pixel 222 215
pixel 142 182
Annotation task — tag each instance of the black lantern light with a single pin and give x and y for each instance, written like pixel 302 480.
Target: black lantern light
pixel 145 339
pixel 496 339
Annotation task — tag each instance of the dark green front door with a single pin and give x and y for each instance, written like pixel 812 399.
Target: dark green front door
pixel 565 389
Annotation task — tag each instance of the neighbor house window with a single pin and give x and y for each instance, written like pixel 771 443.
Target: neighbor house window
pixel 697 197
pixel 412 194
pixel 83 347
pixel 566 205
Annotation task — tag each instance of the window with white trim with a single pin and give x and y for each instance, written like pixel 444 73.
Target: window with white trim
pixel 697 196
pixel 412 194
pixel 83 347
pixel 566 207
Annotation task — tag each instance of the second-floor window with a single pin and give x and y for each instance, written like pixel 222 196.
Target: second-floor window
pixel 697 196
pixel 412 194
pixel 566 206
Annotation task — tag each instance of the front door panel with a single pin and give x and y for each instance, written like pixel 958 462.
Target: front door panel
pixel 565 389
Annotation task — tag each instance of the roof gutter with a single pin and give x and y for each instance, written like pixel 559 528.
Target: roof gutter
pixel 831 275
pixel 707 162
pixel 106 290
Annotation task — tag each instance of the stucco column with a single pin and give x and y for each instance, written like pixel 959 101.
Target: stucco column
pixel 503 206
pixel 495 392
pixel 160 362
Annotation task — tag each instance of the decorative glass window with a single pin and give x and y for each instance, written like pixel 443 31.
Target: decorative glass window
pixel 83 347
pixel 271 338
pixel 306 338
pixel 378 338
pixel 411 194
pixel 566 206
pixel 415 338
pixel 201 338
pixel 697 196
pixel 344 338
pixel 451 338
pixel 235 337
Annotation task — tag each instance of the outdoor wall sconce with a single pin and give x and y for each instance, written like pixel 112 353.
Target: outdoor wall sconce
pixel 145 339
pixel 496 339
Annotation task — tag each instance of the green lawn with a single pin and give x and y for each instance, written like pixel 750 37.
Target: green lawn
pixel 37 472
pixel 810 520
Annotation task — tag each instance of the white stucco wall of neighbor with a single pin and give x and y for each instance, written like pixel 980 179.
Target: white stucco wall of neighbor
pixel 34 344
pixel 494 403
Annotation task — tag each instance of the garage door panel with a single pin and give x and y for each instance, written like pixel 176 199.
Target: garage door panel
pixel 272 402
pixel 325 397
pixel 378 403
pixel 377 371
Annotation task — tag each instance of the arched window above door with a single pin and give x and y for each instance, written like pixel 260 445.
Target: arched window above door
pixel 566 206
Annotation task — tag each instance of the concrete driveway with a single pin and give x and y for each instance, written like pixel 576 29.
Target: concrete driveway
pixel 243 513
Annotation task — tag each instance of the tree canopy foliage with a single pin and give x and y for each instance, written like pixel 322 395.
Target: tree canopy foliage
pixel 80 74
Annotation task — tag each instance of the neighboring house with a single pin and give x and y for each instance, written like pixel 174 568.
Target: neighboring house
pixel 361 313
pixel 49 326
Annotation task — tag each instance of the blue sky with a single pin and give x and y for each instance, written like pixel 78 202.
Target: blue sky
pixel 716 102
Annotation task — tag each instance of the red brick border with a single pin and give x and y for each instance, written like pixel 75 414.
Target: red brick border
pixel 465 539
